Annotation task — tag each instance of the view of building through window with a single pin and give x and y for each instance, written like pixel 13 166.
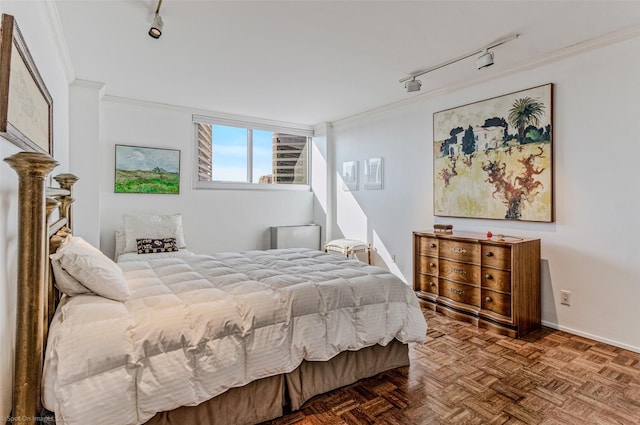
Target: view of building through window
pixel 234 154
pixel 289 160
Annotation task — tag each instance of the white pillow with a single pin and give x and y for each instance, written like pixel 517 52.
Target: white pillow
pixel 121 241
pixel 134 256
pixel 140 226
pixel 66 283
pixel 92 269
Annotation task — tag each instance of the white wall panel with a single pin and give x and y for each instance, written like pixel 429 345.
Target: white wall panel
pixel 591 248
pixel 214 220
pixel 33 23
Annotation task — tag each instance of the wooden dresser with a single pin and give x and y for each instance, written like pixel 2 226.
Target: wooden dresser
pixel 493 282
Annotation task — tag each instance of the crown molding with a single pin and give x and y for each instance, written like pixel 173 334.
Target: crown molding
pixel 322 129
pixel 204 114
pixel 96 86
pixel 53 17
pixel 615 37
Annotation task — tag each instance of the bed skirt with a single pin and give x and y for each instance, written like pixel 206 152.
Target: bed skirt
pixel 267 398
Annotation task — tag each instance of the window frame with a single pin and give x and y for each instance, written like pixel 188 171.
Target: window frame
pixel 249 125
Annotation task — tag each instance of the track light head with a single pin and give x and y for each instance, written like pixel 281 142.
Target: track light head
pixel 413 85
pixel 485 59
pixel 156 26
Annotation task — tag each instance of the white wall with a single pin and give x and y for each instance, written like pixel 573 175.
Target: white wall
pixel 321 182
pixel 84 157
pixel 214 220
pixel 34 25
pixel 8 273
pixel 590 249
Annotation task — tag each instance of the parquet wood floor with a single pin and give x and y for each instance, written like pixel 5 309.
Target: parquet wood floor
pixel 465 375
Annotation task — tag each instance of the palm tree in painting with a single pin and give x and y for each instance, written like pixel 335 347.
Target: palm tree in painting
pixel 525 111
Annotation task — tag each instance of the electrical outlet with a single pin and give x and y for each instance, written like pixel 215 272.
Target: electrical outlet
pixel 565 297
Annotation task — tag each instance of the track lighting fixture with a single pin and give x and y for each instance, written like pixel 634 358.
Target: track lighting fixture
pixel 157 24
pixel 413 85
pixel 483 61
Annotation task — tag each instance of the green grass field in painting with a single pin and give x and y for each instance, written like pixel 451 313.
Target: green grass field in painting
pixel 139 181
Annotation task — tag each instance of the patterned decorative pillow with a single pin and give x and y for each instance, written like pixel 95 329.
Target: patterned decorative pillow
pixel 153 246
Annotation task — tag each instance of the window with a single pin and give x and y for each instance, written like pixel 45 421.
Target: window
pixel 250 157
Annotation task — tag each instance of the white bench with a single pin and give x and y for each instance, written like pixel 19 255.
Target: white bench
pixel 348 247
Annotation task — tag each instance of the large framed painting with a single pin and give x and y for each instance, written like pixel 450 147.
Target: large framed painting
pixel 26 107
pixel 147 170
pixel 493 159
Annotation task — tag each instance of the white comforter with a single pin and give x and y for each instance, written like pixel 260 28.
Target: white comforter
pixel 197 326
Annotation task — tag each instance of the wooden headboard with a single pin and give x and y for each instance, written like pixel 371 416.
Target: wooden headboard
pixel 37 297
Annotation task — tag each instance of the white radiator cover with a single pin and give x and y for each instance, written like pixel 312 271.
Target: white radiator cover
pixel 303 236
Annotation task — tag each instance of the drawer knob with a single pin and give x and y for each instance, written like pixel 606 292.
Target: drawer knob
pixel 432 265
pixel 489 254
pixel 488 276
pixel 432 245
pixel 432 284
pixel 488 299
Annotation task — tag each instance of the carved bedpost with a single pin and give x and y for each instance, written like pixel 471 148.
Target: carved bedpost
pixel 49 290
pixel 54 296
pixel 66 181
pixel 32 169
pixel 50 206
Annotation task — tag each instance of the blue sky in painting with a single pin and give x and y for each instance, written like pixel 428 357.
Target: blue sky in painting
pixel 139 158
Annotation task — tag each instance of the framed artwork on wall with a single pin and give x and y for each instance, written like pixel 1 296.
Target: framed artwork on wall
pixel 494 158
pixel 147 170
pixel 26 107
pixel 350 176
pixel 373 175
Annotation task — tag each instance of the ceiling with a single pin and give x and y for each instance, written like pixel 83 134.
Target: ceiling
pixel 308 62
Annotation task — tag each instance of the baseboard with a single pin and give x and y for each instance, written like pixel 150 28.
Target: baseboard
pixel 594 337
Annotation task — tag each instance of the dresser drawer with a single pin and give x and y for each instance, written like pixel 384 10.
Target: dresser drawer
pixel 460 292
pixel 490 283
pixel 461 272
pixel 497 302
pixel 428 283
pixel 429 265
pixel 460 251
pixel 499 280
pixel 428 246
pixel 496 256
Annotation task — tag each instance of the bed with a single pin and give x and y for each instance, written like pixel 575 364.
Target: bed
pixel 229 338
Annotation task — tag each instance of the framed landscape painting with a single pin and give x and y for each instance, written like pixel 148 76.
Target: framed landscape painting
pixel 26 106
pixel 494 158
pixel 147 170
